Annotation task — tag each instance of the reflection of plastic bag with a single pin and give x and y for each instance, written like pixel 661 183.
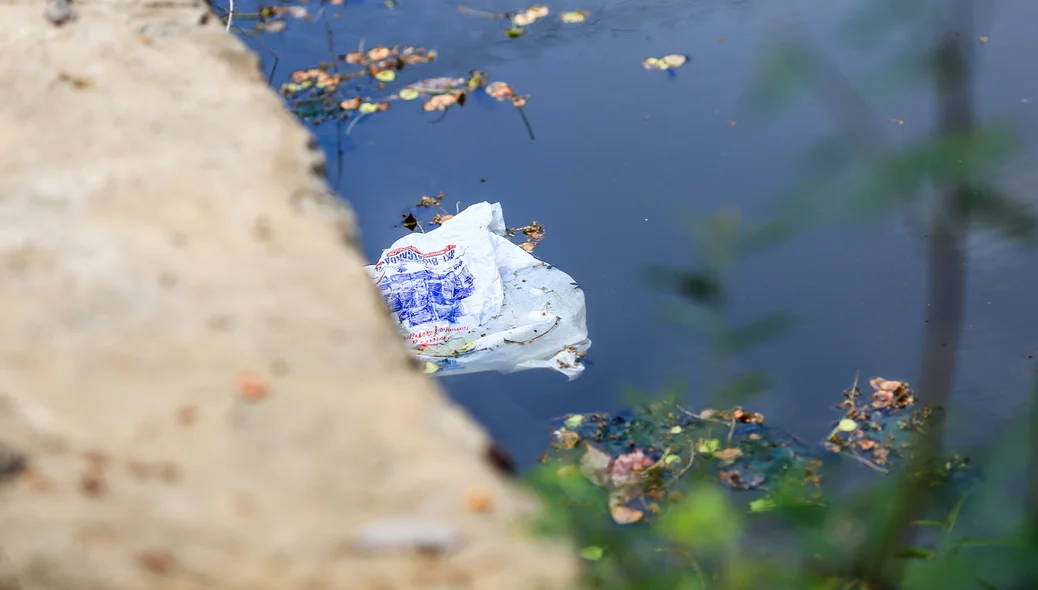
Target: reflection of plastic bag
pixel 468 300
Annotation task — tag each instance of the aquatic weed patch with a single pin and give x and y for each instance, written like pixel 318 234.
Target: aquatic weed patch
pixel 643 458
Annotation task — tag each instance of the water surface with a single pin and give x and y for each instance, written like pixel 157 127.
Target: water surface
pixel 622 156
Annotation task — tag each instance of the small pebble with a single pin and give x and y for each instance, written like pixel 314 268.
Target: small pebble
pixel 407 533
pixel 59 11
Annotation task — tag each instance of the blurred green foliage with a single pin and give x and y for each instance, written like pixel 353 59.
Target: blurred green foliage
pixel 872 534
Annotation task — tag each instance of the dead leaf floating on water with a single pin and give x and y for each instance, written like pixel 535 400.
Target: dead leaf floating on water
pixel 898 121
pixel 441 102
pixel 666 62
pixel 502 91
pixel 530 15
pixel 574 16
pixel 984 39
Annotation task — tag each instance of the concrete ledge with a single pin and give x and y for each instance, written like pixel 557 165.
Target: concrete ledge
pixel 205 384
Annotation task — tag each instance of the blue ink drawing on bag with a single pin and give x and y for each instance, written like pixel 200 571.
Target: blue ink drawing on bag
pixel 424 296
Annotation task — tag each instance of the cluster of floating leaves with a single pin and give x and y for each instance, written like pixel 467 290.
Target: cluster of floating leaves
pixel 518 20
pixel 533 233
pixel 875 430
pixel 320 93
pixel 317 94
pixel 640 457
pixel 667 62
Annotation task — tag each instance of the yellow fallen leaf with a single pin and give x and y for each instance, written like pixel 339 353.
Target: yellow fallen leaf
pixel 379 53
pixel 728 454
pixel 386 76
pixel 674 60
pixel 574 16
pixel 847 425
pixel 538 11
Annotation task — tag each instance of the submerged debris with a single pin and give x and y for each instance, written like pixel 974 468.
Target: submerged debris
pixel 640 457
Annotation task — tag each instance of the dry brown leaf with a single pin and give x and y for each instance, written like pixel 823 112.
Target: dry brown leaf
pixel 674 61
pixel 440 102
pixel 538 11
pixel 350 104
pixel 618 509
pixel 892 386
pixel 355 57
pixel 499 90
pixel 379 53
pixel 625 514
pixel 728 454
pixel 595 464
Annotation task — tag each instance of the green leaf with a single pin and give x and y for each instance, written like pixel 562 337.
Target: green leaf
pixel 915 553
pixel 762 505
pixel 574 421
pixel 366 108
pixel 385 76
pixel 744 386
pixel 591 553
pixel 993 208
pixel 932 523
pixel 981 542
pixel 953 516
pixel 781 76
pixel 955 158
pixel 704 520
pixel 708 446
pixel 408 94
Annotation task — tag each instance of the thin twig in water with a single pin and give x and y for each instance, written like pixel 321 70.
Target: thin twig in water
pixel 692 562
pixel 865 461
pixel 230 17
pixel 522 113
pixel 485 13
pixel 356 118
pixel 338 123
pixel 440 118
pixel 273 68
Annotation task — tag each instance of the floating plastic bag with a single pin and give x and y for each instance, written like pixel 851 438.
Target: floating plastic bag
pixel 469 300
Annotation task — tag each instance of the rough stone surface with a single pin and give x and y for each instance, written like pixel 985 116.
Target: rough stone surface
pixel 202 383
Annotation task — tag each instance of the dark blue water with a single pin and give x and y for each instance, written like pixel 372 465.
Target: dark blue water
pixel 623 157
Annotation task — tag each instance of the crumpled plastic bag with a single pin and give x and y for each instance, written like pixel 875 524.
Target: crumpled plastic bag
pixel 467 299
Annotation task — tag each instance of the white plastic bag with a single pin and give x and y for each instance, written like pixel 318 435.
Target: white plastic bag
pixel 468 300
